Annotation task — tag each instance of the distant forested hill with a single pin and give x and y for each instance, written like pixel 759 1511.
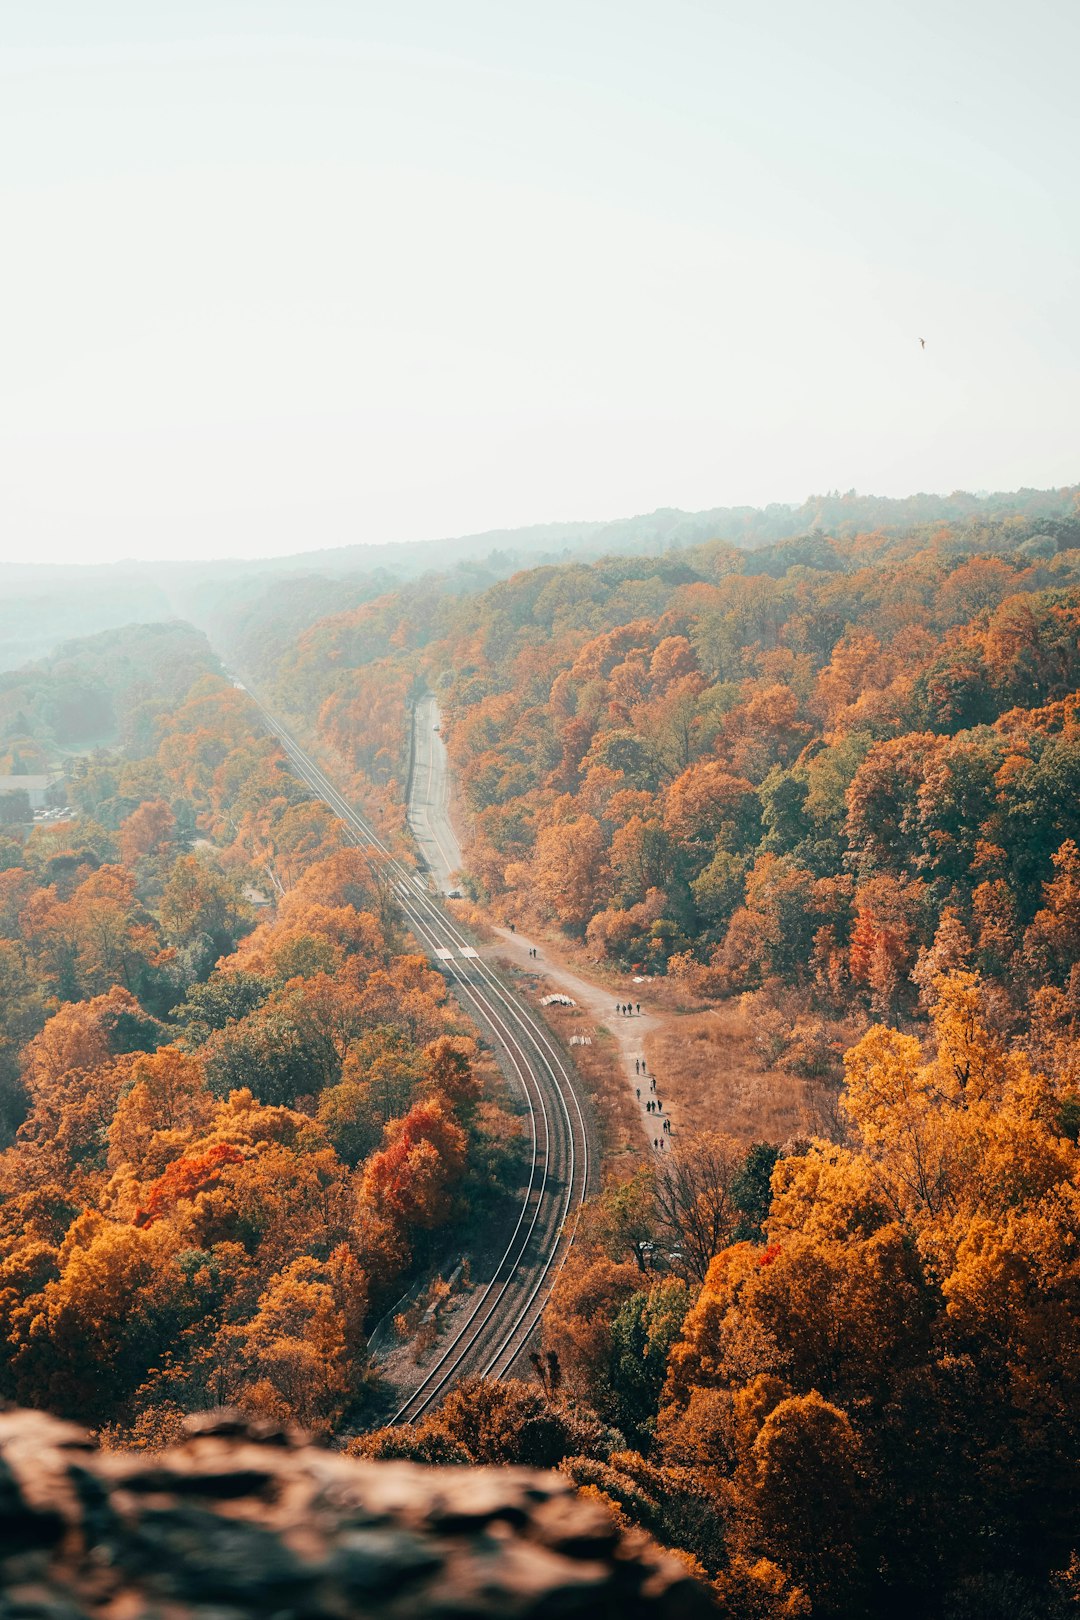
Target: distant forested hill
pixel 252 610
pixel 42 607
pixel 100 689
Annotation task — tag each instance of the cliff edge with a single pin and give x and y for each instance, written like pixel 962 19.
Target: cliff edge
pixel 246 1520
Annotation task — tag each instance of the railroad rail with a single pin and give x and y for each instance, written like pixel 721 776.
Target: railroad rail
pixel 503 1316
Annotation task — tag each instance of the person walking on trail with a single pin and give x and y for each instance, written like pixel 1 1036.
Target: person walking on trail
pixel 637 1091
pixel 639 1009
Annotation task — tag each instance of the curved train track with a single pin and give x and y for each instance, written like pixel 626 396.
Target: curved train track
pixel 501 1318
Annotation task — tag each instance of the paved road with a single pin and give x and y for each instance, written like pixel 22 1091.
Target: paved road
pixel 498 1322
pixel 429 800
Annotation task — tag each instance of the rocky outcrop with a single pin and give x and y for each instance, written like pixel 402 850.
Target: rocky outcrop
pixel 244 1520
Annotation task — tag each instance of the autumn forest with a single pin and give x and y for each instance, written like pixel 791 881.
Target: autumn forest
pixel 817 775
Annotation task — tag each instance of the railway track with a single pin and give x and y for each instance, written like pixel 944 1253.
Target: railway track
pixel 502 1316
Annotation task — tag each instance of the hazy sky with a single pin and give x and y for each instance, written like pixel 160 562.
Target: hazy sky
pixel 294 273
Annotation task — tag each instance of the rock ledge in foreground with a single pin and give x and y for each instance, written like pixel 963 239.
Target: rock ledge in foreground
pixel 244 1519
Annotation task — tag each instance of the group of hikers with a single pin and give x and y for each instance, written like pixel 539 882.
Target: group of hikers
pixel 627 1009
pixel 653 1105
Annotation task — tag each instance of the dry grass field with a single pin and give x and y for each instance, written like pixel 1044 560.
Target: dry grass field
pixel 709 1079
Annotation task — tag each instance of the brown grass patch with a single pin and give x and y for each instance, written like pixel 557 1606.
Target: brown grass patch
pixel 709 1079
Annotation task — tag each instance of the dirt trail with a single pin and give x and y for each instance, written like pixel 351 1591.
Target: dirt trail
pixel 628 1030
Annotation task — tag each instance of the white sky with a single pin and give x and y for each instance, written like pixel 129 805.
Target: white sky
pixel 294 273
